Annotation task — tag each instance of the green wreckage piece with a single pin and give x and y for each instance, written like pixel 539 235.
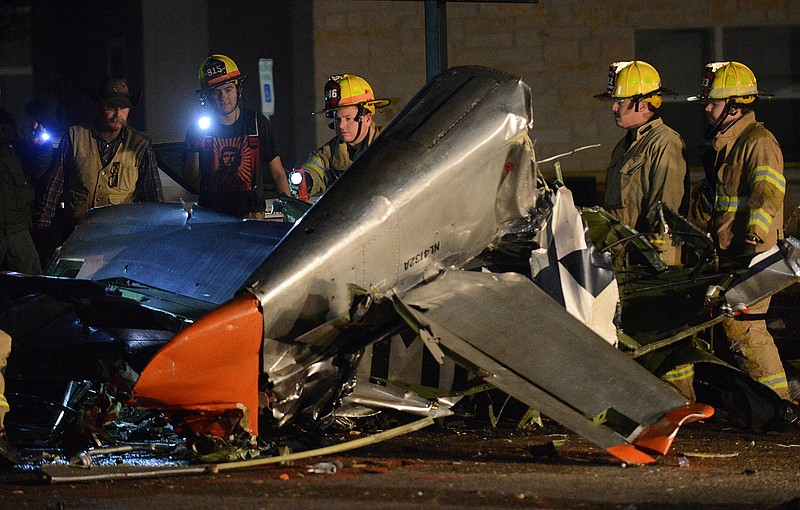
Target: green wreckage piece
pixel 673 333
pixel 610 234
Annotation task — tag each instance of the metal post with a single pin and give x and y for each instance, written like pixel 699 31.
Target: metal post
pixel 435 37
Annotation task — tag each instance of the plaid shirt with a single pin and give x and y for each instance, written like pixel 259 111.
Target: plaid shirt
pixel 148 185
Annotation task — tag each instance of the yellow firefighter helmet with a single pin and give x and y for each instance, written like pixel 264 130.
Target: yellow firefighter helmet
pixel 343 90
pixel 729 80
pixel 217 70
pixel 635 79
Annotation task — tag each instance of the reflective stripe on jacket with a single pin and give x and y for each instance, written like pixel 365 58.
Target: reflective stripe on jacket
pixel 750 187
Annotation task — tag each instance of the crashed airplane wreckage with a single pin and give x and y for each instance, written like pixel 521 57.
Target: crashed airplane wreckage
pixel 381 251
pixel 252 345
pixel 249 344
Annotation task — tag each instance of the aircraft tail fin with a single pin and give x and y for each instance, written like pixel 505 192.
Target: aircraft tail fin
pixel 210 367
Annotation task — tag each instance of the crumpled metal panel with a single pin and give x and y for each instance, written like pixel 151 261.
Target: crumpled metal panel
pixel 376 396
pixel 436 187
pixel 203 255
pixel 769 272
pixel 507 317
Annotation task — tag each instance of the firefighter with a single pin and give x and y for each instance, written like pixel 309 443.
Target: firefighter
pixel 647 166
pixel 235 135
pixel 744 213
pixel 350 102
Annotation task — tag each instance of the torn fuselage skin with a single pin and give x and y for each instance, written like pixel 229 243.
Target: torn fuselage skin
pixel 467 131
pixel 415 205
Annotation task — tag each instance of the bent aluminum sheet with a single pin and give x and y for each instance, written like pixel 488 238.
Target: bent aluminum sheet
pixel 378 396
pixel 204 255
pixel 769 272
pixel 530 347
pixel 432 190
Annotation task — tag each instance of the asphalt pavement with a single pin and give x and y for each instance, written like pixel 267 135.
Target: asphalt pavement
pixel 710 466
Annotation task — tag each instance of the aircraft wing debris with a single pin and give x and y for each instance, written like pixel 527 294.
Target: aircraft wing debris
pixel 151 244
pixel 442 182
pixel 523 342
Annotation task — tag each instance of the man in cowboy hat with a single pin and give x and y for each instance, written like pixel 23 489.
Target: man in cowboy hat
pixel 350 103
pixel 102 163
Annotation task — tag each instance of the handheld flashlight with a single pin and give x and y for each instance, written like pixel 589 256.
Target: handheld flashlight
pixel 297 180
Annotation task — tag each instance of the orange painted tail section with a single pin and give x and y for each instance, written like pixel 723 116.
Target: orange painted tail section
pixel 658 437
pixel 628 453
pixel 211 366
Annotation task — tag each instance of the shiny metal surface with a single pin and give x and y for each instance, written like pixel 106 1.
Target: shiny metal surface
pixel 206 255
pixel 379 396
pixel 433 190
pixel 770 272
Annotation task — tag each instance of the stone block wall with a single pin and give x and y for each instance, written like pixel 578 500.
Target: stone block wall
pixel 562 48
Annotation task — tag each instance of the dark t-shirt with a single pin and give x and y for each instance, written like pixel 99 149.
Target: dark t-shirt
pixel 234 164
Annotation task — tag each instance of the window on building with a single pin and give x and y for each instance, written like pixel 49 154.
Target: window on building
pixel 773 53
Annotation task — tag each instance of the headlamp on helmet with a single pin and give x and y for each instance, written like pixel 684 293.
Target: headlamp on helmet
pixel 217 70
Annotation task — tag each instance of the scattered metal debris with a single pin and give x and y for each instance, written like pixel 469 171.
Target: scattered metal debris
pixel 298 308
pixel 326 468
pixel 55 474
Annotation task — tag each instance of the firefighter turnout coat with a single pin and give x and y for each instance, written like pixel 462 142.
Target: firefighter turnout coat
pixel 746 164
pixel 643 171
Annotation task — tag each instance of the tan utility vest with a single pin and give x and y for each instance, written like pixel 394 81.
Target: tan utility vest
pixel 93 185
